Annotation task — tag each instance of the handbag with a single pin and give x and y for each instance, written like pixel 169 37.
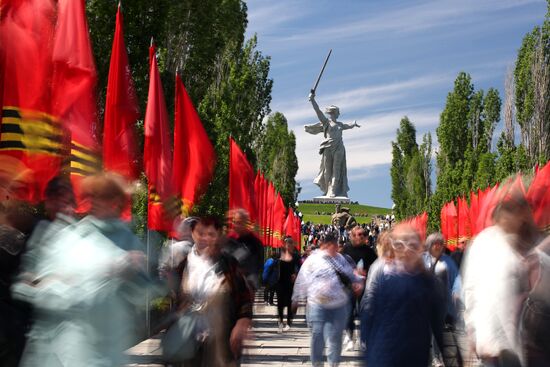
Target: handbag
pixel 180 342
pixel 344 279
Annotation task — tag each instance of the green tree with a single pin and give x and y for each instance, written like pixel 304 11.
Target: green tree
pixel 410 171
pixel 465 159
pixel 277 158
pixel 235 105
pixel 226 77
pixel 532 91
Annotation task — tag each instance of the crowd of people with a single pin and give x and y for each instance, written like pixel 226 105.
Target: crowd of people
pixel 73 289
pixel 487 303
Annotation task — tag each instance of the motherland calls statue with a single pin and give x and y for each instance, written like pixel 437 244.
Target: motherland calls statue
pixel 333 175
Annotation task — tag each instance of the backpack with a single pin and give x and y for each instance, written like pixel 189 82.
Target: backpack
pixel 271 277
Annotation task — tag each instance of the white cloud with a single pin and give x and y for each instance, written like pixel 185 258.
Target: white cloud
pixel 421 16
pixel 266 16
pixel 359 99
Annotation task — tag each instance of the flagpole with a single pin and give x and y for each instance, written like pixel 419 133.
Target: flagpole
pixel 147 316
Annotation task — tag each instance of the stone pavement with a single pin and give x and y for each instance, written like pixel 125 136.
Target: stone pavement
pixel 266 347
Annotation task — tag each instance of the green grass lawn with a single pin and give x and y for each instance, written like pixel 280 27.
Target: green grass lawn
pixel 310 212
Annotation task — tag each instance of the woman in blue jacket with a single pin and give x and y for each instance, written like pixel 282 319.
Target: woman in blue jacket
pixel 403 307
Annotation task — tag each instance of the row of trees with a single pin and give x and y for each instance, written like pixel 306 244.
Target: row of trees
pixel 226 76
pixel 468 158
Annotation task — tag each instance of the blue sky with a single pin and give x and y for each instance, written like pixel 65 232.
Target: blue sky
pixel 390 59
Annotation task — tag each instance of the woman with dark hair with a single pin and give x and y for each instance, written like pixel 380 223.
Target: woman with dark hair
pixel 289 264
pixel 213 287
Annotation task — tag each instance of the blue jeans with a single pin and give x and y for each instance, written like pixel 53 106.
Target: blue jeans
pixel 326 325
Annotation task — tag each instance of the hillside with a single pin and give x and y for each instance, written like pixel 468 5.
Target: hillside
pixel 321 213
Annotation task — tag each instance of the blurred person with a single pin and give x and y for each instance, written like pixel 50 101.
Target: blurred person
pixel 458 254
pixel 59 205
pixel 289 264
pixel 213 286
pixel 245 246
pixel 305 255
pixel 535 315
pixel 325 282
pixel 402 308
pixel 86 285
pixel 14 315
pixel 384 262
pixel 445 270
pixel 446 273
pixel 177 248
pixel 363 256
pixel 270 277
pixel 496 282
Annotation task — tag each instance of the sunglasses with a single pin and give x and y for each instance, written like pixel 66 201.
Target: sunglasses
pixel 401 245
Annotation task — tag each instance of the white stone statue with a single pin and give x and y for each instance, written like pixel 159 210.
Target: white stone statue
pixel 333 176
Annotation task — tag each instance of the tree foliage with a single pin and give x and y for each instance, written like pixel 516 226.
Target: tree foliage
pixel 277 156
pixel 465 160
pixel 226 76
pixel 532 92
pixel 410 171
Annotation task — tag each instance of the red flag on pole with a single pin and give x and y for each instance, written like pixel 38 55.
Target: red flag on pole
pixel 121 111
pixel 270 205
pixel 263 216
pixel 449 224
pixel 73 88
pixel 288 226
pixel 157 150
pixel 241 181
pixel 538 197
pixel 474 211
pixel 487 203
pixel 194 156
pixel 279 215
pixel 464 225
pixel 258 203
pixel 32 140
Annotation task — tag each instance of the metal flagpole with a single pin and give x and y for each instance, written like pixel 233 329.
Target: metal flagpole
pixel 147 316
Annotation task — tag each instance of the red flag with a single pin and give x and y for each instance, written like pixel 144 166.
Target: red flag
pixel 258 203
pixel 270 204
pixel 538 197
pixel 73 88
pixel 32 140
pixel 487 204
pixel 121 111
pixel 422 225
pixel 290 228
pixel 241 181
pixel 279 215
pixel 288 225
pixel 194 156
pixel 157 149
pixel 474 211
pixel 263 216
pixel 464 225
pixel 449 224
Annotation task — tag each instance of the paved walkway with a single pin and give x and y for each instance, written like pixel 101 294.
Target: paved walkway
pixel 265 348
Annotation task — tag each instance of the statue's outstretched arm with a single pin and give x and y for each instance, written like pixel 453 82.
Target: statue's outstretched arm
pixel 320 115
pixel 350 126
